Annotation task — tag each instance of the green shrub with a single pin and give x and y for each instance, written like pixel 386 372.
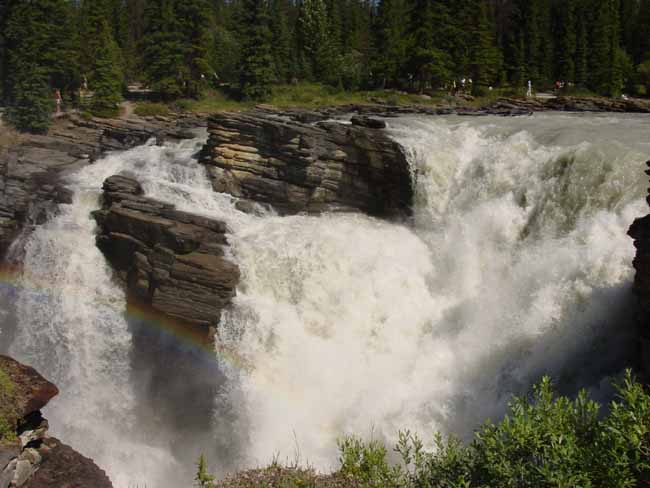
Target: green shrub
pixel 146 109
pixel 546 441
pixel 7 401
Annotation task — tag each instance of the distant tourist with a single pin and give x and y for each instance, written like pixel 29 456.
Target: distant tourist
pixel 57 97
pixel 529 93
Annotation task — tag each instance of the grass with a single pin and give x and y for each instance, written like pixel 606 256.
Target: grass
pixel 146 109
pixel 7 402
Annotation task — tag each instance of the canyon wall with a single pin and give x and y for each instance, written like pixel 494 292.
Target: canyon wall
pixel 297 161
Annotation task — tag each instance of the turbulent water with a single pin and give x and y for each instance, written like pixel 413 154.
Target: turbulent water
pixel 515 264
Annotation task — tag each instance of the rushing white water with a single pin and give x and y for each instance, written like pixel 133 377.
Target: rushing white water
pixel 516 264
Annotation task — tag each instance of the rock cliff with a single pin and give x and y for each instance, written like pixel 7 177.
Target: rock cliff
pixel 640 232
pixel 170 260
pixel 297 161
pixel 32 166
pixel 29 457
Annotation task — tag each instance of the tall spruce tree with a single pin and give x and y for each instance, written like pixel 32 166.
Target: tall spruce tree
pixel 390 46
pixel 567 45
pixel 429 62
pixel 163 53
pixel 106 74
pixel 313 37
pixel 484 55
pixel 194 22
pixel 39 51
pixel 256 73
pixel 283 63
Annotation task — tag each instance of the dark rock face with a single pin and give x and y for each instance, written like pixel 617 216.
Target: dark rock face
pixel 63 466
pixel 31 167
pixel 295 164
pixel 640 232
pixel 171 261
pixel 33 459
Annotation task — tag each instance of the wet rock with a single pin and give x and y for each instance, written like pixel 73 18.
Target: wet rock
pixel 62 466
pixel 171 261
pixel 640 232
pixel 369 122
pixel 272 157
pixel 32 168
pixel 34 459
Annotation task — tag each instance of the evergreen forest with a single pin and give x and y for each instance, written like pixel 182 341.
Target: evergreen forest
pixel 179 48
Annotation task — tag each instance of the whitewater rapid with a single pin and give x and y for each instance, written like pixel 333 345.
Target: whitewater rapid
pixel 516 264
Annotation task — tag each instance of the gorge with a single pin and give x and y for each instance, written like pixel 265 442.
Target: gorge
pixel 496 253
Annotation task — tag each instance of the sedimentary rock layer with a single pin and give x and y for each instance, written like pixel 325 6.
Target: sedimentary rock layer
pixel 31 458
pixel 31 166
pixel 296 161
pixel 170 260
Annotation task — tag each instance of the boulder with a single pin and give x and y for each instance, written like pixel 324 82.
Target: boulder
pixel 32 458
pixel 640 232
pixel 171 261
pixel 277 158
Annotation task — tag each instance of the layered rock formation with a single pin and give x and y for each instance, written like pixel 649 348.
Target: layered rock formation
pixel 29 457
pixel 296 161
pixel 640 232
pixel 170 260
pixel 32 166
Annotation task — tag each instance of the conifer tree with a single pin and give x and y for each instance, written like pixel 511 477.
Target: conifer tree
pixel 194 21
pixel 106 75
pixel 429 61
pixel 282 52
pixel 389 50
pixel 256 73
pixel 484 58
pixel 37 51
pixel 582 52
pixel 566 52
pixel 313 32
pixel 163 54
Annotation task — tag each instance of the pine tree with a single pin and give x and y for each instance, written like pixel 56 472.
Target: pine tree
pixel 106 75
pixel 283 65
pixel 389 51
pixel 37 51
pixel 313 36
pixel 484 58
pixel 429 62
pixel 582 53
pixel 163 50
pixel 566 52
pixel 194 20
pixel 256 73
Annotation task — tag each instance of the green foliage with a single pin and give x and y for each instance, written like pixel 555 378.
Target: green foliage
pixel 202 478
pixel 545 441
pixel 257 68
pixel 146 109
pixel 106 76
pixel 7 400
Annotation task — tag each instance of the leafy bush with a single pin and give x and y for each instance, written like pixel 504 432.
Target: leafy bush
pixel 548 441
pixel 146 109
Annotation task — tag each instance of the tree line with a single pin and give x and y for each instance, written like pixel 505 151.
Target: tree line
pixel 178 48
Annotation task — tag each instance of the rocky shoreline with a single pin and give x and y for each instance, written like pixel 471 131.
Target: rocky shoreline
pixel 29 456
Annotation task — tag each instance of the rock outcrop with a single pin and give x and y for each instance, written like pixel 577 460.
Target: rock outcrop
pixel 32 166
pixel 171 261
pixel 29 457
pixel 297 161
pixel 640 232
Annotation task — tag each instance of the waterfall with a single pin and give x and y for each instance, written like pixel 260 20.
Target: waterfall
pixel 516 264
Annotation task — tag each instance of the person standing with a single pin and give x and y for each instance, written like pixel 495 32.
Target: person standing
pixel 529 93
pixel 59 100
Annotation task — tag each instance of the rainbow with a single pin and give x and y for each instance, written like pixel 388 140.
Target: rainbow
pixel 198 339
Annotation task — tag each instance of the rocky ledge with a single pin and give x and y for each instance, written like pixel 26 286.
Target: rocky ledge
pixel 29 457
pixel 297 161
pixel 32 166
pixel 640 232
pixel 171 261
